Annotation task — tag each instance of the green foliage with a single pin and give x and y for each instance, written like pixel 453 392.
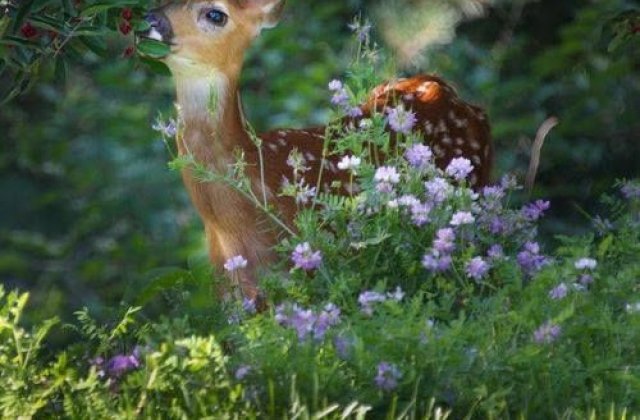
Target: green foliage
pixel 482 362
pixel 91 218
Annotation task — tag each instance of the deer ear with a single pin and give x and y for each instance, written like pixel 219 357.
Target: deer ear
pixel 268 10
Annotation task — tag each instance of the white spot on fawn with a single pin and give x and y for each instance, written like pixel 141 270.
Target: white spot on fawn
pixel 438 150
pixel 428 128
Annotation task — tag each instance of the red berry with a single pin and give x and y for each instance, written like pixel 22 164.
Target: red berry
pixel 635 29
pixel 128 52
pixel 125 27
pixel 127 14
pixel 28 31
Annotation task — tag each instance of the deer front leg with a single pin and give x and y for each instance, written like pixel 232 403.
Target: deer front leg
pixel 244 280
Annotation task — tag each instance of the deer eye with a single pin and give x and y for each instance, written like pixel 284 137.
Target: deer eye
pixel 217 17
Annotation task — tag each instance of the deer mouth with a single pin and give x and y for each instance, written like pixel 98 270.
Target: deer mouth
pixel 156 41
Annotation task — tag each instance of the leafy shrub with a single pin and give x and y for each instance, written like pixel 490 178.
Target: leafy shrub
pixel 413 296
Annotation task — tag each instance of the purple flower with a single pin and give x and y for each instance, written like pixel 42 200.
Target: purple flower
pixel 497 226
pixel 304 192
pixel 495 252
pixel 444 243
pixel 361 30
pixel 420 213
pixel 354 111
pixel 459 168
pixel 534 211
pixel 631 190
pixel 462 218
pixel 302 321
pixel 438 189
pixel 387 174
pixel 242 372
pixel 387 376
pixel 585 279
pixel 493 192
pixel 509 182
pixel 305 258
pixel 249 305
pixel 349 163
pixel 396 295
pixel 368 299
pixel 559 292
pixel 408 200
pixel 121 364
pixel 342 345
pixel 340 97
pixel 419 156
pixel 477 268
pixel 401 120
pixel 436 261
pixel 305 322
pixel 586 264
pixel 530 259
pixel 335 85
pixel 281 316
pixel 546 333
pixel 329 317
pixel 235 263
pixel 167 129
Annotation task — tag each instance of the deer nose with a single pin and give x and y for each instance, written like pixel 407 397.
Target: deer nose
pixel 159 27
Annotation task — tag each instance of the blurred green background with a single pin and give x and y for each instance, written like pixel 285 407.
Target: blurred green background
pixel 90 211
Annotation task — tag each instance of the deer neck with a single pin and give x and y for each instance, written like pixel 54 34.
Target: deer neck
pixel 212 120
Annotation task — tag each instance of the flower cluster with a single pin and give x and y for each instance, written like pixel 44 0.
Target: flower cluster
pixel 631 190
pixel 349 163
pixel 530 259
pixel 386 177
pixel 118 365
pixel 477 268
pixel 586 266
pixel 400 120
pixel 547 333
pixel 369 298
pixel 387 376
pixel 341 98
pixel 305 258
pixel 419 156
pixel 305 322
pixel 459 168
pixel 235 263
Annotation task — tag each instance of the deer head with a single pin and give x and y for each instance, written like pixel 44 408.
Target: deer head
pixel 210 37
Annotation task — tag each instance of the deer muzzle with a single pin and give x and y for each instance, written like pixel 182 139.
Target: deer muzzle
pixel 159 27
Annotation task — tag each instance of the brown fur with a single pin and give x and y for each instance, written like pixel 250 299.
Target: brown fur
pixel 203 59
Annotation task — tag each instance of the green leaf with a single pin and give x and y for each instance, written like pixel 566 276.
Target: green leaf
pixel 61 70
pixel 105 6
pixel 153 49
pixel 23 11
pixel 165 279
pixel 95 46
pixel 156 66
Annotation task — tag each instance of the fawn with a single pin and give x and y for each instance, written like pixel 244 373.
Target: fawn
pixel 208 40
